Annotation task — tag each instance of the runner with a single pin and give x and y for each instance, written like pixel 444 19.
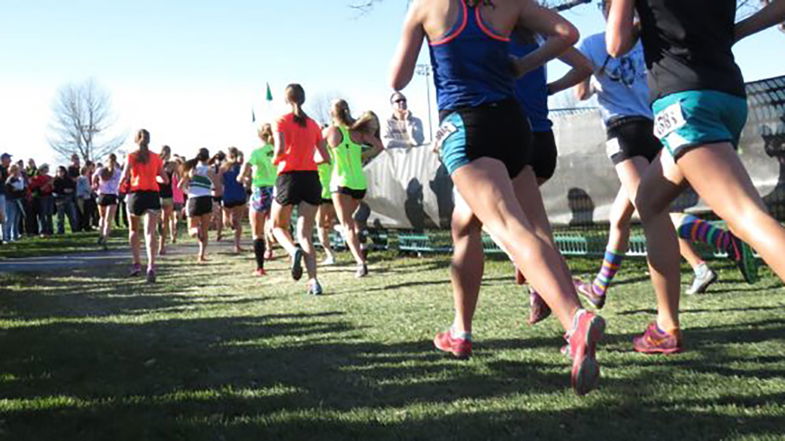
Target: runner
pixel 217 219
pixel 261 171
pixel 699 105
pixel 167 198
pixel 484 143
pixel 178 197
pixel 298 138
pixel 198 177
pixel 623 96
pixel 144 170
pixel 107 180
pixel 234 198
pixel 325 217
pixel 347 183
pixel 532 92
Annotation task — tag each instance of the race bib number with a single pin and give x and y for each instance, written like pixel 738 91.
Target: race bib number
pixel 669 120
pixel 445 130
pixel 612 147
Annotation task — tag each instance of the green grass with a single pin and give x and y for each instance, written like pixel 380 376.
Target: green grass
pixel 58 244
pixel 211 353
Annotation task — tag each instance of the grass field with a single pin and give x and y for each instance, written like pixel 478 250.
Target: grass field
pixel 58 244
pixel 211 353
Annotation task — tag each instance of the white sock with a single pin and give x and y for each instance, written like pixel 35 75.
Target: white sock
pixel 701 270
pixel 460 335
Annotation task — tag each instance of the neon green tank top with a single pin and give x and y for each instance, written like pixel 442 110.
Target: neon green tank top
pixel 348 164
pixel 325 173
pixel 264 172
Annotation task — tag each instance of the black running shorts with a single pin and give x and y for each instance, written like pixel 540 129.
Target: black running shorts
pixel 631 136
pixel 294 187
pixel 106 200
pixel 354 194
pixel 200 206
pixel 544 154
pixel 496 130
pixel 142 202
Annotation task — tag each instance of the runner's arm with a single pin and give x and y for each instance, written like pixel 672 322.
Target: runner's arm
pixel 560 35
pixel 581 70
pixel 584 90
pixel 376 147
pixel 245 173
pixel 622 31
pixel 772 14
pixel 408 50
pixel 321 147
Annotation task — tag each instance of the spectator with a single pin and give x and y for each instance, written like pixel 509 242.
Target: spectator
pixel 15 193
pixel 403 129
pixel 83 199
pixel 42 187
pixel 30 208
pixel 5 162
pixel 75 169
pixel 64 194
pixel 31 170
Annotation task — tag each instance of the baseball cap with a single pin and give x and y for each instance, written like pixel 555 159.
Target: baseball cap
pixel 5 155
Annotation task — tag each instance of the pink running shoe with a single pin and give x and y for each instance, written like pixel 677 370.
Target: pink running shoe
pixel 656 341
pixel 460 348
pixel 582 345
pixel 538 309
pixel 259 272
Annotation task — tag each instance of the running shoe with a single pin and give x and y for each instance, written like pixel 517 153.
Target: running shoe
pixel 702 283
pixel 362 271
pixel 459 347
pixel 656 341
pixel 259 272
pixel 151 274
pixel 136 269
pixel 297 264
pixel 520 279
pixel 587 291
pixel 268 254
pixel 328 261
pixel 582 346
pixel 744 257
pixel 315 288
pixel 538 309
pixel 100 240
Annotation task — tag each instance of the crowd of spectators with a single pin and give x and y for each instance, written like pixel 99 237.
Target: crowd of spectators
pixel 36 200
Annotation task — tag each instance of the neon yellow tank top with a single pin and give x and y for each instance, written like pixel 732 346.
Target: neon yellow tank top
pixel 347 164
pixel 325 173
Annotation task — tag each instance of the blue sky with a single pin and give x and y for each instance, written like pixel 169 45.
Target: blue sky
pixel 191 71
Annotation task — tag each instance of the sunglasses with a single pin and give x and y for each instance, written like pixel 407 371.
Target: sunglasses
pixel 398 101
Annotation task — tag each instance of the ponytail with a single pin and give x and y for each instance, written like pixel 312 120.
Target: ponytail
pixel 295 95
pixel 143 139
pixel 341 114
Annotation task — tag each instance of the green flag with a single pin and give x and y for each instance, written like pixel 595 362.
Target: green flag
pixel 269 96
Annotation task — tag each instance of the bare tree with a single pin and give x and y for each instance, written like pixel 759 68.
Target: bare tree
pixel 319 106
pixel 82 117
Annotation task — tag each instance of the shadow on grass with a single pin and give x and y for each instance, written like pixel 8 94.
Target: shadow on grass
pixel 314 375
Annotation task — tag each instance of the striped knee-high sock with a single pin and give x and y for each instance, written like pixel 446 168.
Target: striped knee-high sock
pixel 610 266
pixel 698 230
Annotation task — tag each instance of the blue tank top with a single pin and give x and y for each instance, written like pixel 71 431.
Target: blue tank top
pixel 532 90
pixel 471 64
pixel 233 190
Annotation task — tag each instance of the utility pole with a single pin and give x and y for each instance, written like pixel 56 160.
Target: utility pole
pixel 425 71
